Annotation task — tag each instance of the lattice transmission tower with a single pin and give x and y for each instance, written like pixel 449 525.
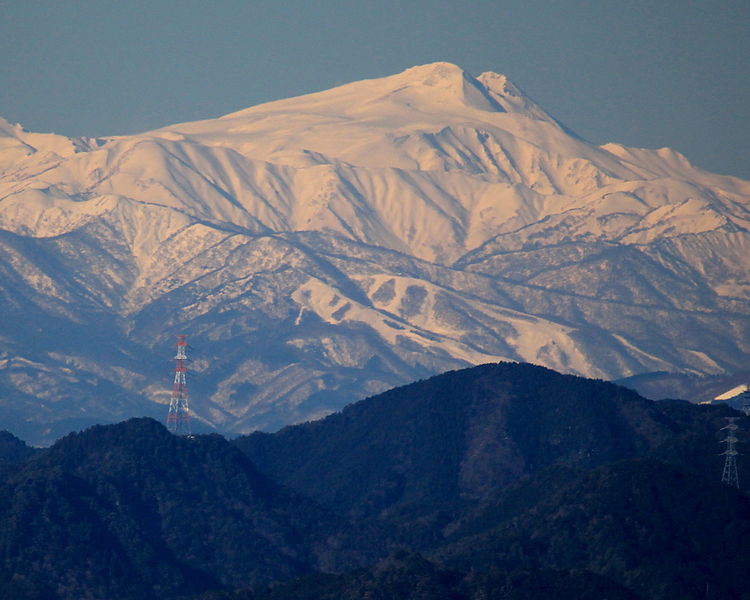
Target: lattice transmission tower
pixel 178 418
pixel 730 464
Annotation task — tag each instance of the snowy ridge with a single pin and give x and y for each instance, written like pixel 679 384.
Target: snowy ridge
pixel 324 247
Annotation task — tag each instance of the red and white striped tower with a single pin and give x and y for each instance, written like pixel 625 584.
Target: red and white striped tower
pixel 178 418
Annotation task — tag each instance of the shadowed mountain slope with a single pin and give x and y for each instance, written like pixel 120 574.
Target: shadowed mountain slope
pixel 655 529
pixel 462 435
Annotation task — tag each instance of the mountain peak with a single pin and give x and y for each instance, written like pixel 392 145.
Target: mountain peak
pixel 499 83
pixel 445 82
pixel 442 84
pixel 438 74
pixel 434 88
pixel 511 97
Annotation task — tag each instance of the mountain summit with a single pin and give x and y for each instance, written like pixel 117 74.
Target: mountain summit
pixel 440 87
pixel 322 248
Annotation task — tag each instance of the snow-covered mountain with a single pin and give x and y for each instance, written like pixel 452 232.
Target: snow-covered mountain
pixel 321 248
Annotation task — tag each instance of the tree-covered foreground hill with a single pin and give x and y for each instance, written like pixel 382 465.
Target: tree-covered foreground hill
pixel 500 481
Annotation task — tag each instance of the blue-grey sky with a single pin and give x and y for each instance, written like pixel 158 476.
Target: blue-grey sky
pixel 643 73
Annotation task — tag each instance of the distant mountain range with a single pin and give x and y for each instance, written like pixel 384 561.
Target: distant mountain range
pixel 320 249
pixel 499 481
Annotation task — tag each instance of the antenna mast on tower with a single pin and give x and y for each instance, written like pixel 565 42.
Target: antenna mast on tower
pixel 178 418
pixel 730 464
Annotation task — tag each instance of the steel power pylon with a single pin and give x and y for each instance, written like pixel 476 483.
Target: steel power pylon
pixel 730 464
pixel 178 418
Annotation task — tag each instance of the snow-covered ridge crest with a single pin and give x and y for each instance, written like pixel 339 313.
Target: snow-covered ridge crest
pixel 327 246
pixel 431 161
pixel 408 162
pixel 17 143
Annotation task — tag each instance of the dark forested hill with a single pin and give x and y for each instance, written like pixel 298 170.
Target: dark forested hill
pixel 662 532
pixel 131 511
pixel 409 576
pixel 515 466
pixel 500 481
pixel 13 450
pixel 462 435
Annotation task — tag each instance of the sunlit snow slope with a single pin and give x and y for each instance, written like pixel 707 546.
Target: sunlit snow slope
pixel 322 248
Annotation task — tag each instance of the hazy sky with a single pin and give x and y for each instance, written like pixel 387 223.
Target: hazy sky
pixel 643 73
